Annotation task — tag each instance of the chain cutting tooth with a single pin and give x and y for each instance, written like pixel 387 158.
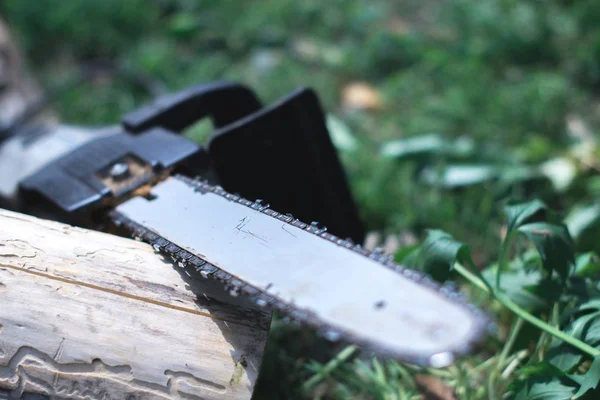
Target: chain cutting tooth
pixel 298 224
pixel 159 244
pixel 316 228
pixel 329 236
pixel 330 334
pixel 232 197
pixel 172 250
pixel 150 236
pixel 219 190
pixel 206 270
pixel 250 290
pixel 221 275
pixel 270 212
pixel 430 283
pixel 377 254
pixel 186 256
pixel 361 250
pixel 446 289
pixel 259 206
pixel 244 202
pixel 388 261
pixel 236 285
pixel 261 302
pixel 285 217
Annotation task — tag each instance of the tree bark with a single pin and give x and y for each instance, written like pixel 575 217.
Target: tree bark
pixel 85 314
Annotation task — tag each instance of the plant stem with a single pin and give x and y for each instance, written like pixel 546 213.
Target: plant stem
pixel 406 376
pixel 463 381
pixel 553 321
pixel 483 366
pixel 473 278
pixel 491 386
pixel 512 337
pixel 557 333
pixel 514 363
pixel 520 312
pixel 329 367
pixel 502 256
pixel 514 332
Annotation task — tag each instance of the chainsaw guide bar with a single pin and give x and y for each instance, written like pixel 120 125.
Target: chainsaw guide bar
pixel 343 290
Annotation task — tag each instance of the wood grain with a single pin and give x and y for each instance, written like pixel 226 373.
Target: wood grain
pixel 85 314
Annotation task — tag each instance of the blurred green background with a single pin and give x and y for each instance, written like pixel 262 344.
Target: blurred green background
pixel 442 110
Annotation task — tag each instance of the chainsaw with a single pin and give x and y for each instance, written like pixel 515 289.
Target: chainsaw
pixel 264 206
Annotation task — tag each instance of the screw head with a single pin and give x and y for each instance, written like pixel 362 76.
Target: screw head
pixel 119 170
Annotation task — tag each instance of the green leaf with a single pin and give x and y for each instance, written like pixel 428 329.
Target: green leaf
pixel 580 219
pixel 592 332
pixel 427 145
pixel 518 284
pixel 439 252
pixel 580 328
pixel 341 136
pixel 586 328
pixel 545 389
pixel 453 176
pixel 589 380
pixel 560 171
pixel 563 356
pixel 543 381
pixel 408 255
pixel 518 214
pixel 183 24
pixel 587 265
pixel 554 244
pixel 514 174
pixel 413 146
pixel 460 175
pixel 591 305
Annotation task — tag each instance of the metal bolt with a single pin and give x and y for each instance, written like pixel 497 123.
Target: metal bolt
pixel 119 170
pixel 441 360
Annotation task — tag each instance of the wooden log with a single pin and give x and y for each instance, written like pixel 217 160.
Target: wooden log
pixel 88 315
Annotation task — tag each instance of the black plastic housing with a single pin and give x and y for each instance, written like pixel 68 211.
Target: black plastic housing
pixel 281 153
pixel 284 155
pixel 77 182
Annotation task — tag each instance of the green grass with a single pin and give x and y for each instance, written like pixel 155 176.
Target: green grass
pixel 485 105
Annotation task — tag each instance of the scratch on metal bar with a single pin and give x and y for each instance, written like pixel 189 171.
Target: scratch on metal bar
pixel 283 227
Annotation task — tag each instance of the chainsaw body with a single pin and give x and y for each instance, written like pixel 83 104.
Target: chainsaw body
pixel 281 153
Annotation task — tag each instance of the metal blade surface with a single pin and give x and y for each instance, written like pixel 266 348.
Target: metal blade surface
pixel 354 296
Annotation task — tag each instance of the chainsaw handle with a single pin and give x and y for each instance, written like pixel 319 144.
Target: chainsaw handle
pixel 223 102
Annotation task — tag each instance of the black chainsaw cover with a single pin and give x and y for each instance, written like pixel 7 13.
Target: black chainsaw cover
pixel 283 154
